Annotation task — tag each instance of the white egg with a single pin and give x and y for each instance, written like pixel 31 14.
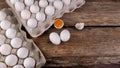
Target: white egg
pixel 13 1
pixel 11 60
pixel 40 16
pixel 5 49
pixel 58 4
pixel 67 2
pixel 22 52
pixel 2 39
pixel 18 66
pixel 11 33
pixel 51 0
pixel 29 2
pixel 25 14
pixel 19 6
pixel 29 62
pixel 79 26
pixel 5 24
pixel 54 38
pixel 43 3
pixel 65 35
pixel 16 42
pixel 3 65
pixel 2 15
pixel 34 8
pixel 50 10
pixel 32 23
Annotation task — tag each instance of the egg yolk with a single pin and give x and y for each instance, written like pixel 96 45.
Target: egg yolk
pixel 58 23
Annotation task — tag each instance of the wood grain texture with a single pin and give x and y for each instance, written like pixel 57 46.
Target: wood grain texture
pixel 98 43
pixel 95 14
pixel 87 47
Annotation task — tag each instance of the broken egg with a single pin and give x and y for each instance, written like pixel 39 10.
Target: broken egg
pixel 65 35
pixel 58 23
pixel 54 38
pixel 79 26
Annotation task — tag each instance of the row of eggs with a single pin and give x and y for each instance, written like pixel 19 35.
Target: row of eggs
pixel 16 43
pixel 40 16
pixel 11 60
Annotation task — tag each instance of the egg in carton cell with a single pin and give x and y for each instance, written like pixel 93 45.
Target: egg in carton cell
pixel 37 16
pixel 16 51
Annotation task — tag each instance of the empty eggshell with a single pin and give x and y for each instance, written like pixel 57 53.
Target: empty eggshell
pixel 14 1
pixel 29 2
pixel 3 65
pixel 25 14
pixel 22 52
pixel 16 42
pixel 79 26
pixel 11 60
pixel 50 10
pixel 5 24
pixel 40 16
pixel 19 6
pixel 43 3
pixel 11 33
pixel 29 62
pixel 34 8
pixel 32 23
pixel 65 35
pixel 2 39
pixel 54 38
pixel 2 15
pixel 58 4
pixel 5 49
pixel 18 66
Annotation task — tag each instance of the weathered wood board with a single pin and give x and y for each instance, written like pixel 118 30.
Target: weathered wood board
pixel 98 43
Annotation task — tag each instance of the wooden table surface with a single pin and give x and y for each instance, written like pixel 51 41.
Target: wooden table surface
pixel 98 43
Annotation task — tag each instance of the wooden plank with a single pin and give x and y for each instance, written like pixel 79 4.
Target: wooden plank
pixel 88 47
pixel 95 14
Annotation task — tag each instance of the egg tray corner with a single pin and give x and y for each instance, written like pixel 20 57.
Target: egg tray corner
pixel 34 51
pixel 45 25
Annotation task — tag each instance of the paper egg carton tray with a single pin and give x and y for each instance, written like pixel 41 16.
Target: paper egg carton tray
pixel 43 25
pixel 32 49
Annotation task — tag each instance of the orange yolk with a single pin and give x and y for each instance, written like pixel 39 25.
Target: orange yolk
pixel 58 23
